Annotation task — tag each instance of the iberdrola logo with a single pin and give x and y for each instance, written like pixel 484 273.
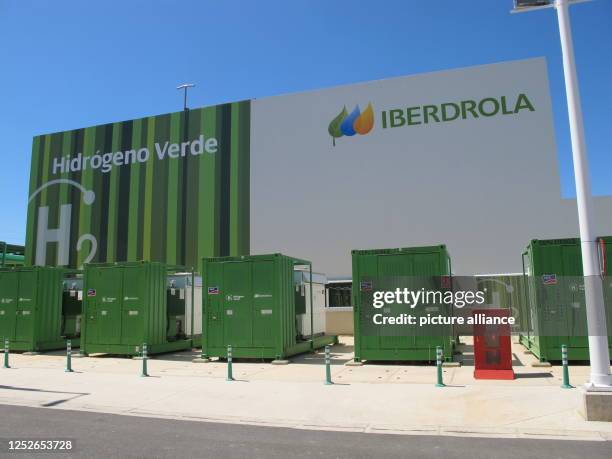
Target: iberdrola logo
pixel 350 124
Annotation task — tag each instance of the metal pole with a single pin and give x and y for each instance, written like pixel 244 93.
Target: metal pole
pixel 311 310
pixel 593 289
pixel 230 375
pixel 439 355
pixel 328 379
pixel 566 384
pixel 68 357
pixel 144 361
pixel 192 301
pixel 6 353
pixel 185 87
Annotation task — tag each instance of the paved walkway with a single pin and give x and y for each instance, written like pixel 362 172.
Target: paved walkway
pixel 371 398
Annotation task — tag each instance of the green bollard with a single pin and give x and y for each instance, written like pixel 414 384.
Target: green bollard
pixel 144 373
pixel 68 357
pixel 6 353
pixel 566 383
pixel 439 356
pixel 230 375
pixel 328 379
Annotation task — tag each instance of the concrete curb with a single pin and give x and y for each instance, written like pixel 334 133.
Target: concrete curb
pixel 387 429
pixel 451 431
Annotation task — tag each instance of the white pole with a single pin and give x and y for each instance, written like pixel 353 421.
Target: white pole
pixel 593 289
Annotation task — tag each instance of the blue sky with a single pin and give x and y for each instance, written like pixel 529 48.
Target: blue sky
pixel 70 64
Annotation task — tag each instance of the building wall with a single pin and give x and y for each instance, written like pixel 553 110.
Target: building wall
pixel 309 175
pixel 339 321
pixel 483 186
pixel 171 188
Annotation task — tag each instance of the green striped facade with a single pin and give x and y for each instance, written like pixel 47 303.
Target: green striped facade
pixel 175 210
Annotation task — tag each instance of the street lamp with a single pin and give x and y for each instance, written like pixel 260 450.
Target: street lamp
pixel 593 289
pixel 185 87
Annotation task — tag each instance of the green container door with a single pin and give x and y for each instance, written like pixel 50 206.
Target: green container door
pixel 9 291
pixel 418 266
pixel 26 306
pixel 242 313
pixel 212 306
pixel 237 307
pixel 133 312
pixel 265 315
pixel 103 300
pixel 557 310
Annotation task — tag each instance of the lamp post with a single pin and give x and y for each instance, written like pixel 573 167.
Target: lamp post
pixel 600 377
pixel 185 87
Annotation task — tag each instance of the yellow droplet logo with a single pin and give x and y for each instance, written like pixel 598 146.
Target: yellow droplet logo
pixel 365 122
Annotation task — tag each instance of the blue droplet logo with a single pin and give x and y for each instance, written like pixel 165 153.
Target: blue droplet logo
pixel 347 126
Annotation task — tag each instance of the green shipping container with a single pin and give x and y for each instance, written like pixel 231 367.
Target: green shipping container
pixel 555 303
pixel 419 265
pixel 126 305
pixel 34 315
pixel 249 302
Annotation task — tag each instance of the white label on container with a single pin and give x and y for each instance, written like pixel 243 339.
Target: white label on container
pixel 230 312
pixel 181 294
pixel 266 312
pixel 103 312
pixel 72 293
pixel 132 313
pixel 80 295
pixel 172 291
pixel 2 313
pixel 25 313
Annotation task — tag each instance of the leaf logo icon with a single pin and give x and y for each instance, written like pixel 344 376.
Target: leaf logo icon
pixel 334 127
pixel 357 122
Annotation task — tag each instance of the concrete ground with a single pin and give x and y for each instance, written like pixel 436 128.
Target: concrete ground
pixel 106 436
pixel 380 398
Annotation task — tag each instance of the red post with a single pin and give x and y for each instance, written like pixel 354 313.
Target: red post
pixel 492 346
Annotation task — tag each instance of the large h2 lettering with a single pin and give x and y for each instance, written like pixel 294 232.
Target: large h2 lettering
pixel 59 235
